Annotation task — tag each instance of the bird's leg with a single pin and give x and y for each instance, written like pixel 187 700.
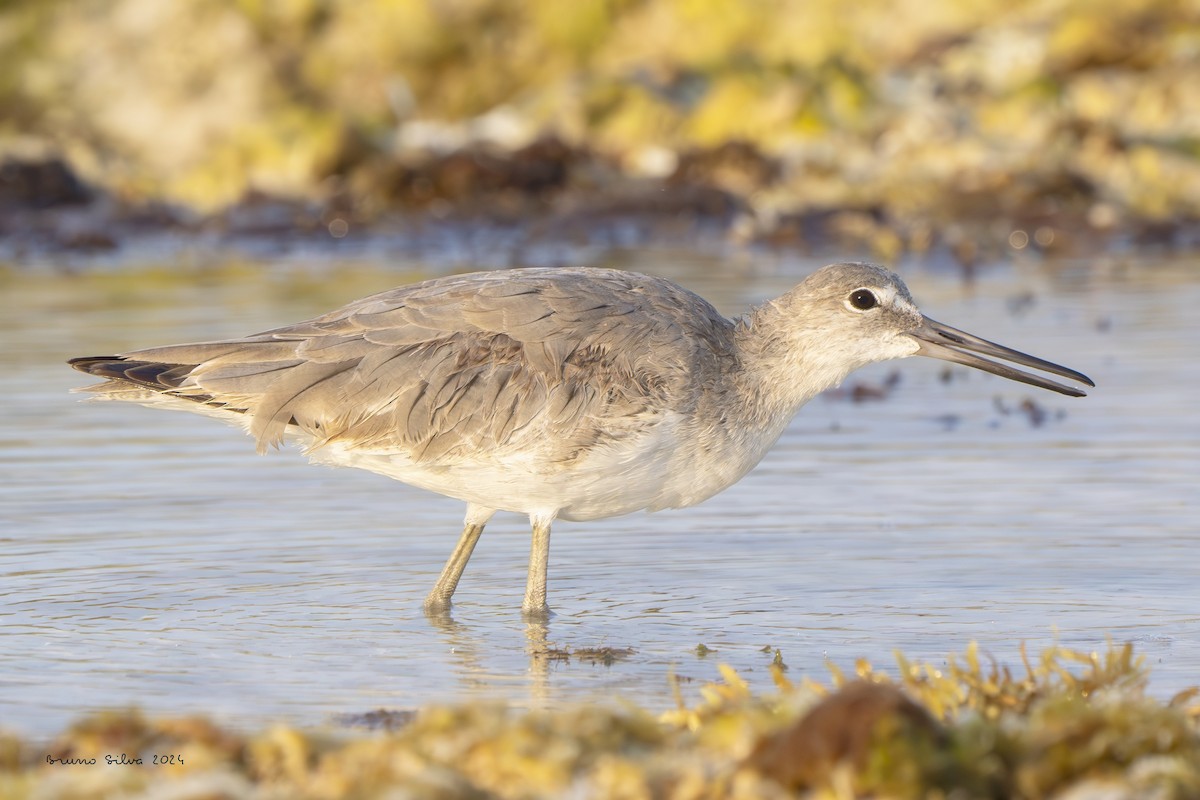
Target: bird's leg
pixel 534 606
pixel 438 600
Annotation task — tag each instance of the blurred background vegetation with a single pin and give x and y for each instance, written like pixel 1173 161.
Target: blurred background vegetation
pixel 902 117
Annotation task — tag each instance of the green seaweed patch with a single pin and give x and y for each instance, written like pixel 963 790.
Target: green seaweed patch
pixel 1064 723
pixel 604 655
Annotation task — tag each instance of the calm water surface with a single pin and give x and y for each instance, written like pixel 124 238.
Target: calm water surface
pixel 152 559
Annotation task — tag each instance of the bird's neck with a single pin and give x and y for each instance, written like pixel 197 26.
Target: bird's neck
pixel 772 371
pixel 784 361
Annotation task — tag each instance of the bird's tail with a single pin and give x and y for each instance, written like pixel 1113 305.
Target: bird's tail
pixel 132 373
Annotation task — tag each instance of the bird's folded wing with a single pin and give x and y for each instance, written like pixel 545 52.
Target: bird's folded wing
pixel 444 368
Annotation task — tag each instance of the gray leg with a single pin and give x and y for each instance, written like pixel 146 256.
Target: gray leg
pixel 534 607
pixel 438 601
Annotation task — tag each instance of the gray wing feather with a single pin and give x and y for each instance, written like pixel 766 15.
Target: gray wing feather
pixel 450 366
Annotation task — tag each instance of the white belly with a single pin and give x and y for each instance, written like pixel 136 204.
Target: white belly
pixel 658 469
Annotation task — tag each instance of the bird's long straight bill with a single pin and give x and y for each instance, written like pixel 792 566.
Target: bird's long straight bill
pixel 950 344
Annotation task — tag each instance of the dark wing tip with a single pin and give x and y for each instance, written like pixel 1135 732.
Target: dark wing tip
pixel 150 374
pixel 100 366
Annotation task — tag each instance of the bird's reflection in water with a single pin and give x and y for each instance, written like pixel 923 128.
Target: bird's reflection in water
pixel 468 648
pixel 537 634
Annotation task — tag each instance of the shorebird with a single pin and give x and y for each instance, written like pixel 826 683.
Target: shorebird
pixel 574 394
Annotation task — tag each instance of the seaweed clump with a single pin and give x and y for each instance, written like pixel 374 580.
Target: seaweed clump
pixel 1072 724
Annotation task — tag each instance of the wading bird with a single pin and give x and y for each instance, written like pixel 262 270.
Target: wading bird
pixel 577 393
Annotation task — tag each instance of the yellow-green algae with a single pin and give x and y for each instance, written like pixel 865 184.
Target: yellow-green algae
pixel 925 108
pixel 1069 724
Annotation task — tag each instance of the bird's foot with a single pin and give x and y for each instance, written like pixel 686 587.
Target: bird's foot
pixel 436 605
pixel 536 613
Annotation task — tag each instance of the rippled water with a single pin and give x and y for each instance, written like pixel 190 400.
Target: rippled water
pixel 152 559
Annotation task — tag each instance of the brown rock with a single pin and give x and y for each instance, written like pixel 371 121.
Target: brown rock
pixel 841 729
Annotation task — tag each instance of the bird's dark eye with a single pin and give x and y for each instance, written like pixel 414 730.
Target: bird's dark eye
pixel 863 299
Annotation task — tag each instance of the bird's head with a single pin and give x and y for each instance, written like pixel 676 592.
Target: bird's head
pixel 853 314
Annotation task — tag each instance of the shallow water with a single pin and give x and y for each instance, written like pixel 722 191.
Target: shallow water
pixel 151 559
